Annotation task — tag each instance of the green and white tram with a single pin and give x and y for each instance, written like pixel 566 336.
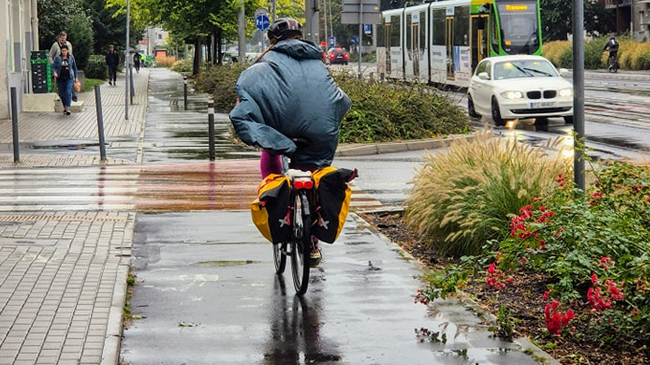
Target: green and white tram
pixel 442 42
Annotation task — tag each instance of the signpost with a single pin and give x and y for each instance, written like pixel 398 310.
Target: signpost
pixel 262 22
pixel 362 12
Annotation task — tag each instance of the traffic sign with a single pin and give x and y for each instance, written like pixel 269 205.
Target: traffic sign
pixel 367 28
pixel 332 41
pixel 354 39
pixel 262 22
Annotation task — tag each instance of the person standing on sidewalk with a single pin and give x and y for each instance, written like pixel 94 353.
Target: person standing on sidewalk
pixel 65 72
pixel 112 61
pixel 55 51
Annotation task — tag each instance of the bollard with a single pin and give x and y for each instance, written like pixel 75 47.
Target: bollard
pixel 14 124
pixel 132 86
pixel 185 92
pixel 100 123
pixel 211 128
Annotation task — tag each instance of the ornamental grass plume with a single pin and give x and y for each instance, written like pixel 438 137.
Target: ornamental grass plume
pixel 467 195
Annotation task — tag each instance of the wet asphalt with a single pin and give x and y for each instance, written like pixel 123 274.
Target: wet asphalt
pixel 206 291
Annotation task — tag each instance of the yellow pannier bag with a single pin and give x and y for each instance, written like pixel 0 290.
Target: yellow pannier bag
pixel 334 194
pixel 269 211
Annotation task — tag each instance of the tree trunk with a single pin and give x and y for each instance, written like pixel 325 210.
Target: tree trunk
pixel 196 64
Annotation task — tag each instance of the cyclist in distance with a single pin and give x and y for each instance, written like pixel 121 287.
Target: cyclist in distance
pixel 288 94
pixel 612 46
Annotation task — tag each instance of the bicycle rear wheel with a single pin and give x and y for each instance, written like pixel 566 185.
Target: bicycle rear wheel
pixel 280 257
pixel 301 244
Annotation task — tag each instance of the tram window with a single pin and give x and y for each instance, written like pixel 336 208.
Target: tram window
pixel 394 31
pixel 381 34
pixel 461 26
pixel 438 27
pixel 423 32
pixel 495 34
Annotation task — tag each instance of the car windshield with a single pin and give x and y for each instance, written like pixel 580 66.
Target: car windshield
pixel 523 68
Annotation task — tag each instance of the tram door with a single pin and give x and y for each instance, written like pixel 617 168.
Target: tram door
pixel 479 38
pixel 449 41
pixel 415 48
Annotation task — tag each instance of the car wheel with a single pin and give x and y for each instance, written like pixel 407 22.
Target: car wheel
pixel 541 122
pixel 496 114
pixel 568 119
pixel 470 107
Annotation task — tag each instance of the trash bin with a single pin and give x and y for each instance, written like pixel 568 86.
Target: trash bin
pixel 41 73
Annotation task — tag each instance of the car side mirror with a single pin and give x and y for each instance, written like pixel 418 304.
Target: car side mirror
pixel 483 76
pixel 564 72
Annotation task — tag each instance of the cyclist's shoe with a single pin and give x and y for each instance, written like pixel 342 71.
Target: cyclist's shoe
pixel 315 256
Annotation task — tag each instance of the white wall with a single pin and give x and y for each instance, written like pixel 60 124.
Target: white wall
pixel 15 46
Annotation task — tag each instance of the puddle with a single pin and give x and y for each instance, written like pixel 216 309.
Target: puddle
pixel 225 263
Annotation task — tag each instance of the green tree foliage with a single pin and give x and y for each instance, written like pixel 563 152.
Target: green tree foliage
pixel 109 27
pixel 56 16
pixel 557 18
pixel 80 34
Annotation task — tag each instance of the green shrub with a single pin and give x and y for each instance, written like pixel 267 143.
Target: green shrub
pixel 380 111
pixel 182 66
pixel 220 82
pixel 96 67
pixel 389 112
pixel 466 196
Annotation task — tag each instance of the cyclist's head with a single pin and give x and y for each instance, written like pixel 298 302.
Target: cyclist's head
pixel 284 28
pixel 612 38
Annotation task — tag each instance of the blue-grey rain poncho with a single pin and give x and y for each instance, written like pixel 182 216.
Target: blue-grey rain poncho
pixel 288 94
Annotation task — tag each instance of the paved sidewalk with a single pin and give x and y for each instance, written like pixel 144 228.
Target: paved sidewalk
pixel 63 274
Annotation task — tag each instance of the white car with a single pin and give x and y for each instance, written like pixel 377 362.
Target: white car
pixel 516 87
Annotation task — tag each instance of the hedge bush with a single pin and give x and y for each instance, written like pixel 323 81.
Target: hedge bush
pixel 96 67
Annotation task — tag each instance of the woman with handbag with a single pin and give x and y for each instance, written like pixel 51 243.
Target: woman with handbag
pixel 65 72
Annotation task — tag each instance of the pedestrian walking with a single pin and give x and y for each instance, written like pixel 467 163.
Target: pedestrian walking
pixel 55 51
pixel 136 61
pixel 112 60
pixel 65 72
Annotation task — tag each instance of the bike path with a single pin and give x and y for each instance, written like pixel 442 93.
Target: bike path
pixel 63 271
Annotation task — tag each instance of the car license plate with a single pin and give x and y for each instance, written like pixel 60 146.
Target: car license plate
pixel 542 104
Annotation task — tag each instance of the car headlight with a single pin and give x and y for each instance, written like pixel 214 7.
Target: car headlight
pixel 566 92
pixel 512 94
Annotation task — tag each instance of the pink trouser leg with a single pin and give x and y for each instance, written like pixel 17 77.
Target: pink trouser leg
pixel 270 164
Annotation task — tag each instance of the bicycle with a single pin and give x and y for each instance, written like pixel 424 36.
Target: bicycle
pixel 301 244
pixel 612 64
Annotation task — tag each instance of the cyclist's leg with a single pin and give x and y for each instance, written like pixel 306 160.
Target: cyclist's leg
pixel 270 163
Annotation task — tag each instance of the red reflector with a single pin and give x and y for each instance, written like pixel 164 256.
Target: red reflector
pixel 307 184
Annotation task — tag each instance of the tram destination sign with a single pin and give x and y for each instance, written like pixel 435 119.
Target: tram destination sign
pixel 369 10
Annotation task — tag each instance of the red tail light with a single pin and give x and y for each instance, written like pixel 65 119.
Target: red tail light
pixel 303 184
pixel 331 56
pixel 346 55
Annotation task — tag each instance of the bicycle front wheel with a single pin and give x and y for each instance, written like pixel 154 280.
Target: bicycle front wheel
pixel 301 245
pixel 280 257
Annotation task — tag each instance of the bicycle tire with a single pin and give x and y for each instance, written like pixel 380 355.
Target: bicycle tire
pixel 301 246
pixel 280 257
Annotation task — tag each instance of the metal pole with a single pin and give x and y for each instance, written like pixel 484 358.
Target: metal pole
pixel 578 95
pixel 185 92
pixel 360 33
pixel 127 61
pixel 14 124
pixel 211 128
pixel 100 123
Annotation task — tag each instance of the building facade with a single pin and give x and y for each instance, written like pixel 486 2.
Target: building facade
pixel 18 36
